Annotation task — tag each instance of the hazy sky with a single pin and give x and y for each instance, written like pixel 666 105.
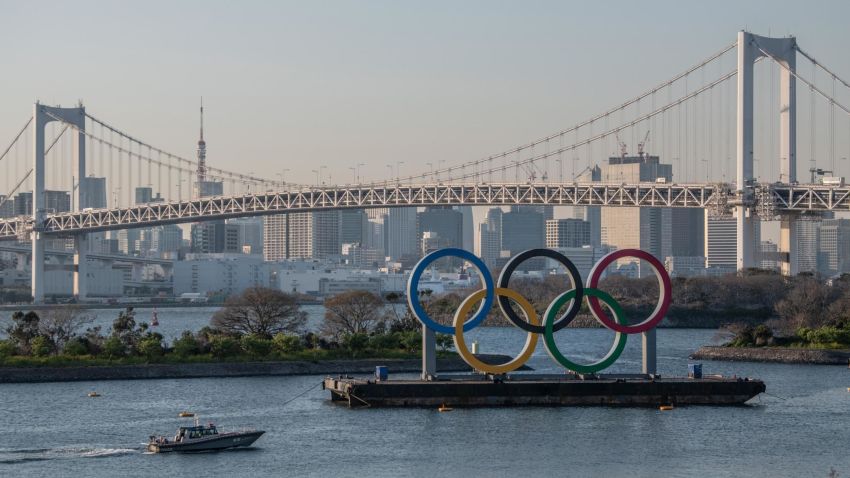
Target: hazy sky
pixel 299 84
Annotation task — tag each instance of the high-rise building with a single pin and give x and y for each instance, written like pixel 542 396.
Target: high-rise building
pixel 468 233
pixel 302 235
pixel 144 195
pixel 682 232
pixel 633 227
pixel 353 226
pixel 767 258
pixel 325 234
pixel 274 237
pixel 92 192
pixel 54 201
pixel 807 244
pixel 167 240
pixel 834 247
pixel 522 229
pixel 444 222
pixel 591 214
pixel 93 195
pixel 128 241
pixel 250 234
pixel 567 233
pixel 490 238
pixel 721 242
pixel 208 237
pixel 7 207
pixel 400 233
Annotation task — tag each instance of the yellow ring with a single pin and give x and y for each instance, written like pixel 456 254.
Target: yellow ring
pixel 460 343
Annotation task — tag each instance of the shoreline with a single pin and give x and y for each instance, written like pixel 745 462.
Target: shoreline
pixel 228 369
pixel 773 355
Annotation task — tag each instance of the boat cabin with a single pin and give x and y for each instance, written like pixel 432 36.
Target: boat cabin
pixel 195 432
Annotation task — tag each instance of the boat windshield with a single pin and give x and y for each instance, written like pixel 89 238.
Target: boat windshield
pixel 198 432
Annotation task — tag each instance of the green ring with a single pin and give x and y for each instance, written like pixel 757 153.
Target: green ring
pixel 549 338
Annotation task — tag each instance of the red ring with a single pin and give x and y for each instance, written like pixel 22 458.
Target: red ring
pixel 663 283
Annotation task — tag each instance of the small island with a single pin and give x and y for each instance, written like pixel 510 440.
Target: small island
pixel 811 325
pixel 258 332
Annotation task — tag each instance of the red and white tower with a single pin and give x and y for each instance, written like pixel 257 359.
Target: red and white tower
pixel 202 155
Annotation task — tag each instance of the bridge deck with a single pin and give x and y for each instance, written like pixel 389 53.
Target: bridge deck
pixel 768 199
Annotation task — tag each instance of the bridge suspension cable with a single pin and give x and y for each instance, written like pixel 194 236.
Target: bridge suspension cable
pixel 29 173
pixel 822 66
pixel 605 134
pixel 811 85
pixel 190 164
pixel 575 128
pixel 14 141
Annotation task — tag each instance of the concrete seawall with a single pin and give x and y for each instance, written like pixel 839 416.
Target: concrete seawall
pixel 235 369
pixel 773 354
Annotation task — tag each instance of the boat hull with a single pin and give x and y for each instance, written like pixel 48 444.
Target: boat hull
pixel 219 442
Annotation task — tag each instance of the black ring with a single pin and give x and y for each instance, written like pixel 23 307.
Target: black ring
pixel 505 277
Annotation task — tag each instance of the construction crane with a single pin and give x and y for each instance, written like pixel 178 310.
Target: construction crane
pixel 623 148
pixel 642 144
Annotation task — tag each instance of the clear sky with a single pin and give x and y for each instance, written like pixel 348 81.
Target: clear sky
pixel 299 84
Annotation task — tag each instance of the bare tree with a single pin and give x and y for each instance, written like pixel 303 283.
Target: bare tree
pixel 805 303
pixel 352 312
pixel 260 311
pixel 63 324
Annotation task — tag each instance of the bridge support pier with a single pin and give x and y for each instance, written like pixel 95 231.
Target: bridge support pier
pixel 649 365
pixel 81 248
pixel 790 264
pixel 37 268
pixel 429 353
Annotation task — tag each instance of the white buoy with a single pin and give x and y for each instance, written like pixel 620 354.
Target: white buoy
pixel 475 347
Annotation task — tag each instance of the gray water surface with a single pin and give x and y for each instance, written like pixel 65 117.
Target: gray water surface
pixel 801 429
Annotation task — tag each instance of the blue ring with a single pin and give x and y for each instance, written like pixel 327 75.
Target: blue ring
pixel 413 290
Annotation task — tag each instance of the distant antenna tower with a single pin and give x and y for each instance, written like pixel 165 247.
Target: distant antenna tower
pixel 202 152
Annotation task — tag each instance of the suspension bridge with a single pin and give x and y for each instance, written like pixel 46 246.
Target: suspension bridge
pixel 702 120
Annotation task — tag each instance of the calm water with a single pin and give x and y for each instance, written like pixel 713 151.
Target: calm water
pixel 801 429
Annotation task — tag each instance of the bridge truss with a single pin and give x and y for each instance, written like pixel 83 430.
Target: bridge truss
pixel 719 198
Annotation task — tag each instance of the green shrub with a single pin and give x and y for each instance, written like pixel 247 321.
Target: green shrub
pixel 411 340
pixel 76 347
pixel 41 346
pixel 7 349
pixel 151 346
pixel 288 344
pixel 186 345
pixel 829 335
pixel 355 342
pixel 256 346
pixel 445 341
pixel 222 346
pixel 762 335
pixel 389 341
pixel 113 347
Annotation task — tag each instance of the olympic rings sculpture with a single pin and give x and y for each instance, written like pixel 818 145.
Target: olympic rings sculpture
pixel 550 323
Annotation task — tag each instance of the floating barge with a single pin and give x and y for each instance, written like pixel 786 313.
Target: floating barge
pixel 543 390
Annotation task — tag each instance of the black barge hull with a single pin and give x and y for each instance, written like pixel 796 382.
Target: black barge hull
pixel 543 391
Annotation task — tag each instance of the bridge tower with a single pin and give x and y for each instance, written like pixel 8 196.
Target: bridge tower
pixel 750 48
pixel 76 117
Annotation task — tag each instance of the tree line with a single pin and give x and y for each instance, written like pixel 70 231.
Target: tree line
pixel 758 308
pixel 258 324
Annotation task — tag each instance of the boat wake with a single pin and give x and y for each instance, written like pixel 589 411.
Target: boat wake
pixel 23 455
